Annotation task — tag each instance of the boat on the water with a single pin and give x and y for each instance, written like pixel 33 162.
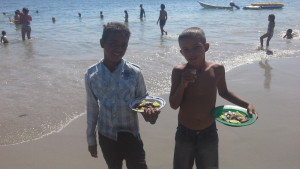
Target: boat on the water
pixel 251 7
pixel 205 5
pixel 267 4
pixel 264 6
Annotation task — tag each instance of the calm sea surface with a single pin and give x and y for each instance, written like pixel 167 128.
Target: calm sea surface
pixel 41 80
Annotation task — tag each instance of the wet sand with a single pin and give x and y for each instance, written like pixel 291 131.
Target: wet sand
pixel 272 142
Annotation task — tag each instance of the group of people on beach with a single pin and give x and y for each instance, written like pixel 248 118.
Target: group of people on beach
pixel 162 19
pixel 24 19
pixel 112 83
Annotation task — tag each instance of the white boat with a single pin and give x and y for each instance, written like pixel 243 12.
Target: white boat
pixel 252 7
pixel 205 5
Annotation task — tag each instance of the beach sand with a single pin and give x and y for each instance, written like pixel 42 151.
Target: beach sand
pixel 272 142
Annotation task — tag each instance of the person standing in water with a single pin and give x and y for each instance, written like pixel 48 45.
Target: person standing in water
pixel 126 16
pixel 17 17
pixel 25 20
pixel 101 15
pixel 269 33
pixel 162 19
pixel 142 12
pixel 53 19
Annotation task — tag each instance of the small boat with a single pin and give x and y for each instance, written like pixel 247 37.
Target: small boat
pixel 264 6
pixel 271 7
pixel 267 4
pixel 252 7
pixel 205 5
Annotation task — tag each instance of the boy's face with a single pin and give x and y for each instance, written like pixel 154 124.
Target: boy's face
pixel 114 47
pixel 193 50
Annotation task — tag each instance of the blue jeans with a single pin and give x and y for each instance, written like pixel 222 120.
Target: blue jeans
pixel 127 147
pixel 199 146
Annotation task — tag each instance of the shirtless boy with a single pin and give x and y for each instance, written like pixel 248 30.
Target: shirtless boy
pixel 3 37
pixel 163 16
pixel 194 91
pixel 142 12
pixel 270 32
pixel 289 34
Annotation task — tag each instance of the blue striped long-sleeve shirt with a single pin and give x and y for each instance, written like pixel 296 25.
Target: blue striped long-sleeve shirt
pixel 108 97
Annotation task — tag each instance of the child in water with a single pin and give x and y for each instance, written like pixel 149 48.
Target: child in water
pixel 101 15
pixel 270 31
pixel 126 16
pixel 289 34
pixel 17 17
pixel 4 38
pixel 162 19
pixel 142 12
pixel 53 19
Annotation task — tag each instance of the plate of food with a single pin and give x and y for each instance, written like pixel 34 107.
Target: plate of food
pixel 234 116
pixel 140 104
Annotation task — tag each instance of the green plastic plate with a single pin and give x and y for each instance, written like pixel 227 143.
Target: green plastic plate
pixel 218 111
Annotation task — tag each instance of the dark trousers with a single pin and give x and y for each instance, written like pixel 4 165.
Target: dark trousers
pixel 196 146
pixel 127 147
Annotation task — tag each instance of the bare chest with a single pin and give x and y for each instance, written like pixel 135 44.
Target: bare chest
pixel 204 84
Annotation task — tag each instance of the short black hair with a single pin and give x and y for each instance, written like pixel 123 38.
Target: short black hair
pixel 162 6
pixel 193 32
pixel 272 17
pixel 290 30
pixel 25 10
pixel 3 33
pixel 114 27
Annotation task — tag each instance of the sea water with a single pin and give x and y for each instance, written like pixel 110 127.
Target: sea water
pixel 41 80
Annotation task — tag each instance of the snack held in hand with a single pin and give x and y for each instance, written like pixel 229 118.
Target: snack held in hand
pixel 140 107
pixel 234 117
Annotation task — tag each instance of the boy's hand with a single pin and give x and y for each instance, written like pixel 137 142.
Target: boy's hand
pixel 150 115
pixel 251 110
pixel 188 76
pixel 93 150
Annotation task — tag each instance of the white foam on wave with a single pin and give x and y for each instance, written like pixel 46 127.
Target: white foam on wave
pixel 53 129
pixel 257 56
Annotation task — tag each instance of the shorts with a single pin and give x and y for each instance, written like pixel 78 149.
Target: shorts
pixel 162 22
pixel 200 146
pixel 26 27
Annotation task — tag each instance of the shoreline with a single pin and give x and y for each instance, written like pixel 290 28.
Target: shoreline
pixel 271 86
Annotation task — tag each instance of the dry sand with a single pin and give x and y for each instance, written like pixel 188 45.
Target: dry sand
pixel 272 142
